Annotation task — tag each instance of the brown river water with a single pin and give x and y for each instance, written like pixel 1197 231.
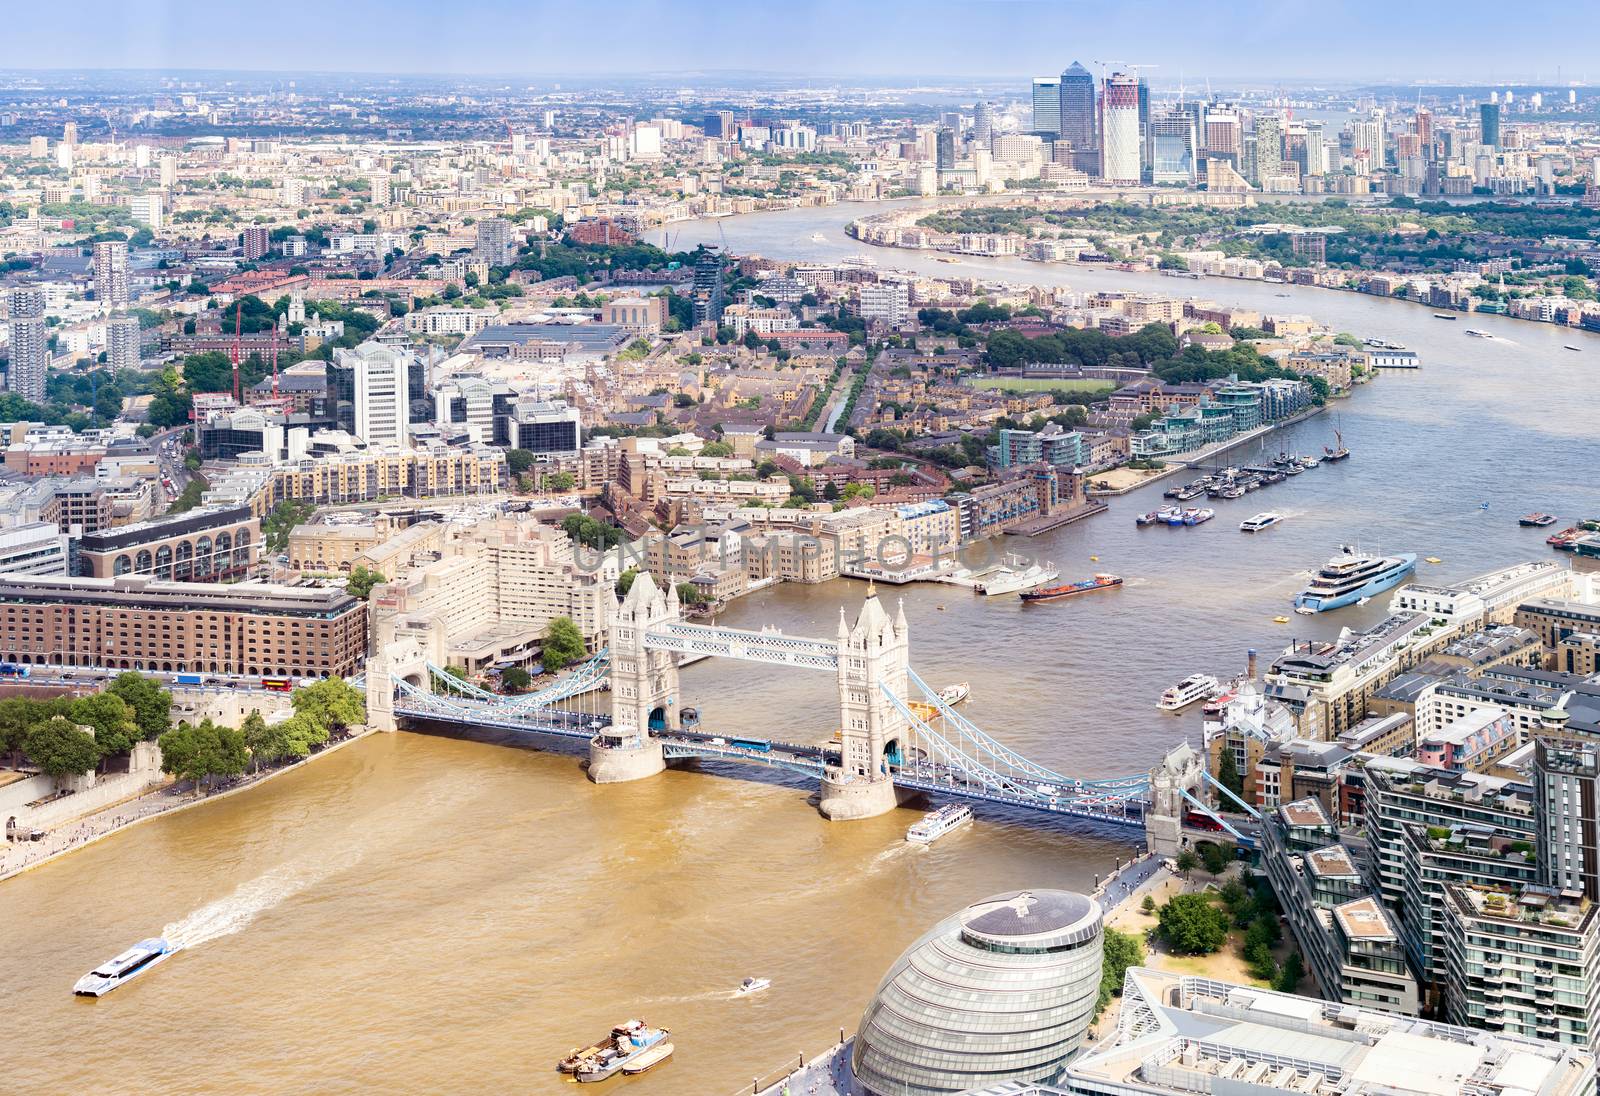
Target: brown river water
pixel 428 914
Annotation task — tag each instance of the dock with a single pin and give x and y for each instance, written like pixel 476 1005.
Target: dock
pixel 1055 521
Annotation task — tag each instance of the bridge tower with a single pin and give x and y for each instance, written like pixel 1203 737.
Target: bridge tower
pixel 1182 770
pixel 400 646
pixel 873 655
pixel 644 687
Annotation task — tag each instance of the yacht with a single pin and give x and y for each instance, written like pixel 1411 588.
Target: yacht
pixel 1191 690
pixel 955 694
pixel 125 967
pixel 938 823
pixel 1009 580
pixel 1350 576
pixel 1259 522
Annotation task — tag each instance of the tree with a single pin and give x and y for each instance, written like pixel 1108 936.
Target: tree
pixel 690 594
pixel 111 719
pixel 362 580
pixel 1118 951
pixel 60 749
pixel 200 752
pixel 1149 904
pixel 266 744
pixel 1187 861
pixel 563 644
pixel 625 581
pixel 1191 925
pixel 716 449
pixel 1228 773
pixel 332 703
pixel 1216 857
pixel 518 461
pixel 1288 978
pixel 560 481
pixel 516 679
pixel 151 704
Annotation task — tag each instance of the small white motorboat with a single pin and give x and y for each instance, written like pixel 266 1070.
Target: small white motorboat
pixel 752 985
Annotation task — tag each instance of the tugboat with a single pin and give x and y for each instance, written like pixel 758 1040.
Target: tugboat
pixel 628 1044
pixel 1070 589
pixel 1536 521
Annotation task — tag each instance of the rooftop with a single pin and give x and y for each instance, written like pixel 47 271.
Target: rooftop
pixel 1364 919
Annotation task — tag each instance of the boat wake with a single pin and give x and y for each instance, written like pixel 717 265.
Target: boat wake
pixel 229 915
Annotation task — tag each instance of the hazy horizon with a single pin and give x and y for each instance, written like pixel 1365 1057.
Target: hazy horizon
pixel 827 41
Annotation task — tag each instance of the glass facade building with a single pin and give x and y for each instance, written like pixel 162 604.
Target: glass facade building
pixel 1002 991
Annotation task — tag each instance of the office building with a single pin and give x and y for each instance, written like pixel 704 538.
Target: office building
pixel 1079 118
pixel 211 544
pixel 33 548
pixel 1121 153
pixel 140 623
pixel 540 428
pixel 30 351
pixel 945 149
pixel 1181 1034
pixel 1489 124
pixel 122 343
pixel 1047 106
pixel 1002 991
pixel 111 275
pixel 381 399
pixel 1171 140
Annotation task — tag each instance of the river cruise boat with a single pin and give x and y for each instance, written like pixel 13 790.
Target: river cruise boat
pixel 125 967
pixel 1260 522
pixel 1351 576
pixel 1191 690
pixel 626 1044
pixel 1070 589
pixel 1009 579
pixel 1536 521
pixel 936 824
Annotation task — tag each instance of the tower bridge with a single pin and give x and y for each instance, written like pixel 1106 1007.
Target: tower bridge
pixel 897 736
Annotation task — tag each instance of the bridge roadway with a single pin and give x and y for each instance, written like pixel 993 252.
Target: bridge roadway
pixel 807 759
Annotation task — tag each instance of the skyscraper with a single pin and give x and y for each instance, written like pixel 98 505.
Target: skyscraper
pixel 1316 150
pixel 1172 147
pixel 1078 117
pixel 1489 123
pixel 982 124
pixel 1047 106
pixel 945 149
pixel 1120 118
pixel 494 241
pixel 29 349
pixel 111 275
pixel 1269 147
pixel 708 288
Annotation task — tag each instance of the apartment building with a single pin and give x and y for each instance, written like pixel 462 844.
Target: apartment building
pixel 1328 684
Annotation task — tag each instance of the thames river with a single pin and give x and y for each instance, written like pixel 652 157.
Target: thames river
pixel 424 914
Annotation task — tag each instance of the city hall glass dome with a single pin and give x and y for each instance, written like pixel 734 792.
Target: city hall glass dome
pixel 1001 991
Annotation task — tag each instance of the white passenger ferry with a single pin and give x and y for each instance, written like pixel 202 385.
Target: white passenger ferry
pixel 125 967
pixel 940 822
pixel 1260 522
pixel 1191 690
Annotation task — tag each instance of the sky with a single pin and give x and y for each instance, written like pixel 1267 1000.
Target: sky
pixel 1358 40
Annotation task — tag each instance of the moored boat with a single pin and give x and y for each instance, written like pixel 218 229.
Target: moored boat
pixel 1070 589
pixel 1536 520
pixel 652 1057
pixel 1443 316
pixel 1192 689
pixel 1350 576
